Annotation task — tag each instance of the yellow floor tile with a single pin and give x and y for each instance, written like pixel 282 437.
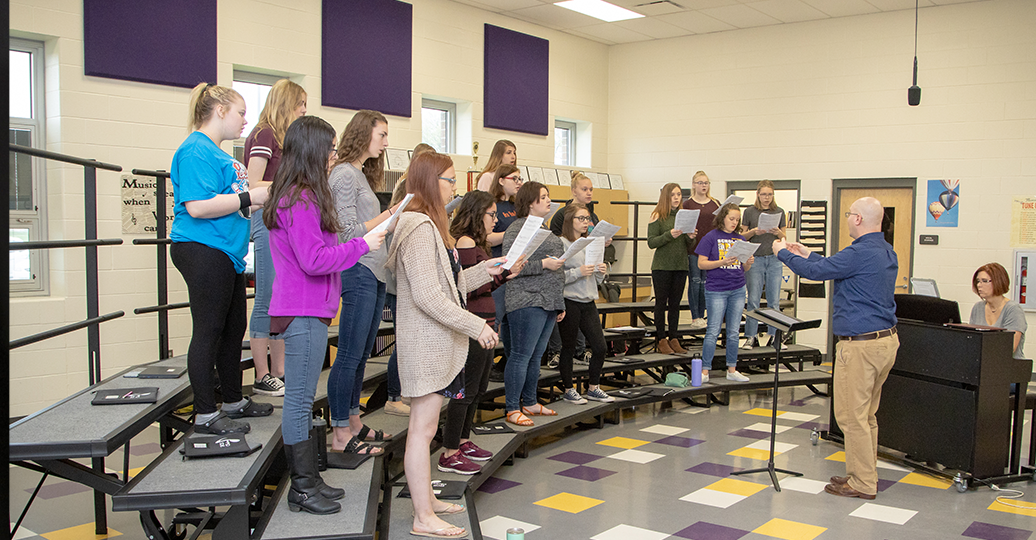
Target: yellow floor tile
pixel 79 532
pixel 568 502
pixel 925 480
pixel 789 530
pixel 763 412
pixel 736 487
pixel 622 442
pixel 1027 508
pixel 837 456
pixel 752 453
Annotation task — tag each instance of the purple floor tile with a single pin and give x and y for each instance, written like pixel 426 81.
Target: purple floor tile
pixel 684 442
pixel 708 531
pixel 589 474
pixel 58 489
pixel 575 458
pixel 714 469
pixel 496 485
pixel 988 531
pixel 750 434
pixel 884 484
pixel 820 426
pixel 145 449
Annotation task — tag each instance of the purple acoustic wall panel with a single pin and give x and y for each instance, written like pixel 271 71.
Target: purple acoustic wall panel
pixel 367 54
pixel 516 86
pixel 171 43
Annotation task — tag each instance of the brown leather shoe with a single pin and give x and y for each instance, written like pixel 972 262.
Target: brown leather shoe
pixel 839 480
pixel 674 344
pixel 843 490
pixel 663 346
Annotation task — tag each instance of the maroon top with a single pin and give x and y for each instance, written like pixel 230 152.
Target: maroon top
pixel 705 219
pixel 264 145
pixel 480 300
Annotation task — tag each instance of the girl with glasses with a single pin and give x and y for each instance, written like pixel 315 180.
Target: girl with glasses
pixel 991 284
pixel 506 183
pixel 767 270
pixel 700 199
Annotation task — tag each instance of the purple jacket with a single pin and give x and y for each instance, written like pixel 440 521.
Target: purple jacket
pixel 308 262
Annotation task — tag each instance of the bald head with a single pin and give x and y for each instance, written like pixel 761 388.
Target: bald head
pixel 867 216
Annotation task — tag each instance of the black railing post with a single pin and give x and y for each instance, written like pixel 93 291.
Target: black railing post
pixel 93 332
pixel 162 258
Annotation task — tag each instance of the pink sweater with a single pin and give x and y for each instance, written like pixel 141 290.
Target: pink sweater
pixel 308 262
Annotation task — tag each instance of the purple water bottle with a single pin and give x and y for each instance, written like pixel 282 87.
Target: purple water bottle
pixel 696 370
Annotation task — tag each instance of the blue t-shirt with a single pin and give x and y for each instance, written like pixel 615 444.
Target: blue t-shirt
pixel 714 246
pixel 505 216
pixel 201 170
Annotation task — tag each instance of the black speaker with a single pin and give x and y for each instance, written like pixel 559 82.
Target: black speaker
pixel 914 96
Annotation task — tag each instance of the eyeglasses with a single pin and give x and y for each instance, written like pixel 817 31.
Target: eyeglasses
pixel 847 214
pixel 583 219
pixel 452 181
pixel 980 280
pixel 515 179
pixel 491 214
pixel 700 183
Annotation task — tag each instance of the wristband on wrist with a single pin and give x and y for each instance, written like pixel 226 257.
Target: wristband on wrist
pixel 246 199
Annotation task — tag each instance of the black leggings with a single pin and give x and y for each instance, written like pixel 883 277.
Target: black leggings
pixel 669 286
pixel 581 316
pixel 460 413
pixel 218 317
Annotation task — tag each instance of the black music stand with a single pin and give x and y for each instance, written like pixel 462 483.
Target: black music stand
pixel 782 323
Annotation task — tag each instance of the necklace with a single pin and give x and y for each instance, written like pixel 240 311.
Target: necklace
pixel 993 308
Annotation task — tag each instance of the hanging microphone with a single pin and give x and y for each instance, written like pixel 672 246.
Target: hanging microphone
pixel 914 93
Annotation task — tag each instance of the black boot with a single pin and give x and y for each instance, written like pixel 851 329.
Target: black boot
pixel 332 493
pixel 305 493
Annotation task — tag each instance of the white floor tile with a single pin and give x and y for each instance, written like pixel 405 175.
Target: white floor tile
pixel 692 410
pixel 779 447
pixel 710 497
pixel 496 527
pixel 22 532
pixel 892 466
pixel 888 514
pixel 663 429
pixel 805 485
pixel 637 456
pixel 797 417
pixel 765 427
pixel 629 532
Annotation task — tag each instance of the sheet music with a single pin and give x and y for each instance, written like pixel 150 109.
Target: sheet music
pixel 452 205
pixel 576 247
pixel 742 250
pixel 535 175
pixel 595 251
pixel 384 225
pixel 733 199
pixel 686 220
pixel 604 229
pixel 553 208
pixel 769 221
pixel 530 229
pixel 398 160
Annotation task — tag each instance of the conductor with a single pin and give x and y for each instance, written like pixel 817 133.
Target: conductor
pixel 864 324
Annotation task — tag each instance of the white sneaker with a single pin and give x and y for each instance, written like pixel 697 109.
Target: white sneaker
pixel 750 343
pixel 736 376
pixel 705 377
pixel 699 324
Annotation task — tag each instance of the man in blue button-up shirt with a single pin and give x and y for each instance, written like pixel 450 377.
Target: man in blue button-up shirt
pixel 864 323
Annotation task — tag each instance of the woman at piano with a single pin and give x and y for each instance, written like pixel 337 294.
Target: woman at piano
pixel 990 283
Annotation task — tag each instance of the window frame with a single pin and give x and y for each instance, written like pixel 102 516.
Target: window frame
pixel 571 127
pixel 34 220
pixel 251 77
pixel 450 109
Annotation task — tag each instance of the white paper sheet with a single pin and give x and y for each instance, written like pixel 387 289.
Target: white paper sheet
pixel 530 230
pixel 604 230
pixel 733 199
pixel 769 221
pixel 616 181
pixel 398 160
pixel 553 208
pixel 595 251
pixel 576 247
pixel 686 220
pixel 742 250
pixel 384 225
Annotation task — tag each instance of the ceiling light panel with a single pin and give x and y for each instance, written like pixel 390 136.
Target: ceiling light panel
pixel 599 9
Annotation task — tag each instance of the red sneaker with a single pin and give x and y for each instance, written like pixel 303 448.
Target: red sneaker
pixel 458 464
pixel 474 453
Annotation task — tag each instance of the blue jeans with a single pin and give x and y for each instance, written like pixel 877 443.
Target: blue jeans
pixel 305 343
pixel 530 330
pixel 395 391
pixel 695 288
pixel 363 298
pixel 259 324
pixel 766 269
pixel 728 306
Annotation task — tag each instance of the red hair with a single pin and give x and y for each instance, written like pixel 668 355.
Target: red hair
pixel 423 181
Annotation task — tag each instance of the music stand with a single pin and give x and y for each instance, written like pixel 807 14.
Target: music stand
pixel 782 323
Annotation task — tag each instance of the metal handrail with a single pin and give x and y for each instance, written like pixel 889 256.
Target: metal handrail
pixel 156 174
pixel 54 244
pixel 634 239
pixel 170 307
pixel 152 241
pixel 55 332
pixel 65 158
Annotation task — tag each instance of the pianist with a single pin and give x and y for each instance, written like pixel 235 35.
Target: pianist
pixel 990 283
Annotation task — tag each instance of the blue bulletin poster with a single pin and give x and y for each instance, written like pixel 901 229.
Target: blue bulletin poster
pixel 943 199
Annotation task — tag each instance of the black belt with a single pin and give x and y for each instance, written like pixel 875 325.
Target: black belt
pixel 870 336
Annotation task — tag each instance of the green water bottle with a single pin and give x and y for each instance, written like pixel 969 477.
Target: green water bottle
pixel 516 533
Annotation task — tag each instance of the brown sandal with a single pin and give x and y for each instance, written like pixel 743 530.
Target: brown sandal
pixel 540 411
pixel 519 419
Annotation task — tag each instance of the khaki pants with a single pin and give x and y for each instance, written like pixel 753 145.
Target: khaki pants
pixel 861 368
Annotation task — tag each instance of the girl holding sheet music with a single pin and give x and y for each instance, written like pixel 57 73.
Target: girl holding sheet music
pixel 701 199
pixel 668 267
pixel 767 269
pixel 581 280
pixel 724 288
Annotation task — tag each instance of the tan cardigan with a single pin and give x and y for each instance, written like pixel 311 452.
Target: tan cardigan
pixel 432 329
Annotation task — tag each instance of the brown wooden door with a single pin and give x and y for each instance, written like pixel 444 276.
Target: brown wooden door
pixel 899 219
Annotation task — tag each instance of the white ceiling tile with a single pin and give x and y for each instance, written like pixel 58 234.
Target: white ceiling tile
pixel 657 8
pixel 554 17
pixel 842 8
pixel 652 27
pixel 613 33
pixel 740 16
pixel 501 5
pixel 894 5
pixel 576 32
pixel 789 10
pixel 696 22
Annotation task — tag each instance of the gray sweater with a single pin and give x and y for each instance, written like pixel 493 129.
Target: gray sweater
pixel 577 286
pixel 1012 317
pixel 535 286
pixel 356 204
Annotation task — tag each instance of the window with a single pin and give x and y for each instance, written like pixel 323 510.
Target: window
pixel 564 143
pixel 439 125
pixel 254 87
pixel 27 207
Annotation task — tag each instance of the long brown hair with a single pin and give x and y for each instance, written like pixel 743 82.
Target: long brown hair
pixel 496 157
pixel 425 171
pixel 497 190
pixel 356 139
pixel 279 111
pixel 204 99
pixel 527 195
pixel 303 169
pixel 468 221
pixel 773 202
pixel 664 207
pixel 568 229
